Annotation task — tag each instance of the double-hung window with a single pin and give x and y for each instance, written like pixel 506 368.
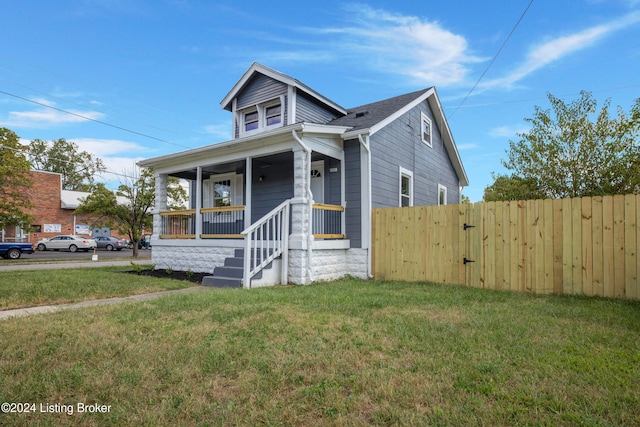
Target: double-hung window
pixel 425 129
pixel 251 120
pixel 406 188
pixel 273 115
pixel 442 194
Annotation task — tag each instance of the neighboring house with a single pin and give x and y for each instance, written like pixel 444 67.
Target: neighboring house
pixel 298 180
pixel 53 210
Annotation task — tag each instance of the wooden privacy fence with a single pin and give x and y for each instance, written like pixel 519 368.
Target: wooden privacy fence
pixel 586 246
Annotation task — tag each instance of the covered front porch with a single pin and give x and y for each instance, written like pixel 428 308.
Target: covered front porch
pixel 282 202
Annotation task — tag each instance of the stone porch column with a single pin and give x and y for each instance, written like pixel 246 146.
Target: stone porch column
pixel 300 202
pixel 161 202
pixel 300 224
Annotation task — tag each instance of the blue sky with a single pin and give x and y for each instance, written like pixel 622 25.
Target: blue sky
pixel 153 72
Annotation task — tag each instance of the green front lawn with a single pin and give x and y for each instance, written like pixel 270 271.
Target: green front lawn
pixel 32 288
pixel 344 353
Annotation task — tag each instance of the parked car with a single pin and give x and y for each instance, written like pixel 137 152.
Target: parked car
pixel 111 243
pixel 67 242
pixel 15 250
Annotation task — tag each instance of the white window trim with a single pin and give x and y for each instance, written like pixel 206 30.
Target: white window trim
pixel 405 172
pixel 440 188
pixel 262 116
pixel 424 118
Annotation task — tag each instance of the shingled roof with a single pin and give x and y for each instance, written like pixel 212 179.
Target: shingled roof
pixel 366 116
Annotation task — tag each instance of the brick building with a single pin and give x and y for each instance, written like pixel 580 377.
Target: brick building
pixel 53 212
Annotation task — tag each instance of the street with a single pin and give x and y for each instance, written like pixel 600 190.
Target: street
pixel 81 256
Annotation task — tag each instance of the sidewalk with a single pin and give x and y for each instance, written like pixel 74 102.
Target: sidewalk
pixel 53 264
pixel 21 312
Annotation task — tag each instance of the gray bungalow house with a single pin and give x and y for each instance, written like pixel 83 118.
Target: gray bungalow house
pixel 288 199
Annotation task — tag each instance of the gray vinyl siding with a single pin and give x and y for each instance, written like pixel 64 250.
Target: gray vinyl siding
pixel 311 112
pixel 275 188
pixel 399 144
pixel 353 193
pixel 260 89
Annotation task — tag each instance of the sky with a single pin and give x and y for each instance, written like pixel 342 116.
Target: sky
pixel 132 79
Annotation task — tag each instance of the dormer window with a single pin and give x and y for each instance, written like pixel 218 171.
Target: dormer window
pixel 261 117
pixel 273 115
pixel 250 121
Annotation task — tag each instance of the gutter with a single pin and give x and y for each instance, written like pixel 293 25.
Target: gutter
pixel 307 151
pixel 365 144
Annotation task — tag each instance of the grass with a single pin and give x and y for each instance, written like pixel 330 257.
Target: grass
pixel 343 353
pixel 29 288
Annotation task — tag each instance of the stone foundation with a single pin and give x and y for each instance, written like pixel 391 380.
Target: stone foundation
pixel 180 256
pixel 204 257
pixel 327 264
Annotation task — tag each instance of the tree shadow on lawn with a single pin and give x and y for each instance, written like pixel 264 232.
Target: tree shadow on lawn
pixel 171 274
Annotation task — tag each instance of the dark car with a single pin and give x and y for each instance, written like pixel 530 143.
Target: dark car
pixel 111 243
pixel 15 250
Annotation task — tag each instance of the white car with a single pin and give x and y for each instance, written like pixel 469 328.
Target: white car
pixel 67 242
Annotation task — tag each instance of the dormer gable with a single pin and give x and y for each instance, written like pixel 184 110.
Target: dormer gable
pixel 265 99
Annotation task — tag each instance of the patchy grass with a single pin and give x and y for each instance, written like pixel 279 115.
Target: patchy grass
pixel 30 288
pixel 343 353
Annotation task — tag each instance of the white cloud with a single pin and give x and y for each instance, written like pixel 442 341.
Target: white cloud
pixel 47 117
pixel 507 131
pixel 108 147
pixel 219 131
pixel 553 50
pixel 401 44
pixel 118 156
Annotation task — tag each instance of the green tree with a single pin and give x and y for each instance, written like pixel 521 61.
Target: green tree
pixel 77 168
pixel 128 209
pixel 14 180
pixel 512 187
pixel 576 151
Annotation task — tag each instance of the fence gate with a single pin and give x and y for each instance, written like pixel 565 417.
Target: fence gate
pixel 583 246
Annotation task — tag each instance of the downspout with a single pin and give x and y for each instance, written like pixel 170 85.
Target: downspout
pixel 307 151
pixel 365 145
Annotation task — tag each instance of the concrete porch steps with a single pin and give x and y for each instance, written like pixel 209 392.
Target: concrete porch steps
pixel 230 275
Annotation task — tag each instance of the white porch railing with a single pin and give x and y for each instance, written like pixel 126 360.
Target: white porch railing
pixel 265 240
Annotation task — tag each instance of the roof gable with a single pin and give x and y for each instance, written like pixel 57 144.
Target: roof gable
pixel 226 103
pixel 370 118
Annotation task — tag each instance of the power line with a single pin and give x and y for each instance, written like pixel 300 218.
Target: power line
pixel 94 120
pixel 491 104
pixel 83 106
pixel 494 58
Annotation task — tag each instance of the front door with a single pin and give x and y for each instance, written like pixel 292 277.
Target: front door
pixel 317 181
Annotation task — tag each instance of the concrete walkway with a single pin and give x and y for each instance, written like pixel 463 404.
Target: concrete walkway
pixel 50 265
pixel 21 312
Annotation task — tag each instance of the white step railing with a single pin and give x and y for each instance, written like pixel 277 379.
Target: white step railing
pixel 266 240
